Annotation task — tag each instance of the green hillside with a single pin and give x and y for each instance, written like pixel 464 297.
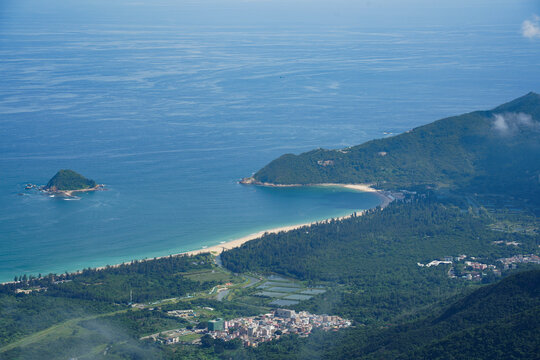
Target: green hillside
pixel 374 257
pixel 499 321
pixel 483 151
pixel 69 180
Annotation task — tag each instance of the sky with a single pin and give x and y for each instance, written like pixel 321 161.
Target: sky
pixel 385 14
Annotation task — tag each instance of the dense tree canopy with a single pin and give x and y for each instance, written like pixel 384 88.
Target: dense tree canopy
pixel 483 151
pixel 69 180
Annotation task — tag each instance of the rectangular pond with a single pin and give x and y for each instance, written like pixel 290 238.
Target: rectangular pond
pixel 297 297
pixel 283 289
pixel 284 302
pixel 270 294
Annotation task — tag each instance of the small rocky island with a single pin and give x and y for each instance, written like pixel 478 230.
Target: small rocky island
pixel 66 183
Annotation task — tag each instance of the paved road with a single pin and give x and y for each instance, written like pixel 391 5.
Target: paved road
pixel 222 294
pixel 252 281
pixel 218 261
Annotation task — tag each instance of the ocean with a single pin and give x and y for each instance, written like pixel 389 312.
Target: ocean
pixel 170 105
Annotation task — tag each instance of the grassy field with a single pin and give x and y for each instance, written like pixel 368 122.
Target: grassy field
pixel 216 274
pixel 89 333
pixel 63 329
pixel 189 337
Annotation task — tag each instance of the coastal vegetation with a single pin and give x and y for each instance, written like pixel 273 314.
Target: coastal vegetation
pixel 103 313
pixel 55 298
pixel 66 180
pixel 372 260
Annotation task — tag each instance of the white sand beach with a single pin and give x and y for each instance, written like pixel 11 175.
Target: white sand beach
pixel 216 249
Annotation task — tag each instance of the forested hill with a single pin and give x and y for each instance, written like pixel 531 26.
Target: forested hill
pixel 69 180
pixel 375 256
pixel 499 321
pixel 483 151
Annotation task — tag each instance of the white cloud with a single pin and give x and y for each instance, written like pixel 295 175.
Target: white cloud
pixel 334 85
pixel 509 124
pixel 500 123
pixel 531 28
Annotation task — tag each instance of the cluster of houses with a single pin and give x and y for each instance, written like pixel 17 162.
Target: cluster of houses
pixel 446 260
pixel 474 270
pixel 520 259
pixel 183 314
pixel 254 330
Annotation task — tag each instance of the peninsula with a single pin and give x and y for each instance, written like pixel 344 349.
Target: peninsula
pixel 490 151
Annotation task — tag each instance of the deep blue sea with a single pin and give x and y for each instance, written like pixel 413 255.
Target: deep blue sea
pixel 170 104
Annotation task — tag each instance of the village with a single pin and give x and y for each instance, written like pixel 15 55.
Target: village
pixel 256 329
pixel 474 270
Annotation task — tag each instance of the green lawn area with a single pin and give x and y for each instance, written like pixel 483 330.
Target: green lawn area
pixel 62 329
pixel 216 274
pixel 189 337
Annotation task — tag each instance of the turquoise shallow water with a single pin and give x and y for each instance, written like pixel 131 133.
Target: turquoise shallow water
pixel 170 106
pixel 127 223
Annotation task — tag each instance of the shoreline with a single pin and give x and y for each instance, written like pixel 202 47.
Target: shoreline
pixel 240 241
pixel 385 197
pixel 217 249
pixel 69 193
pixel 62 193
